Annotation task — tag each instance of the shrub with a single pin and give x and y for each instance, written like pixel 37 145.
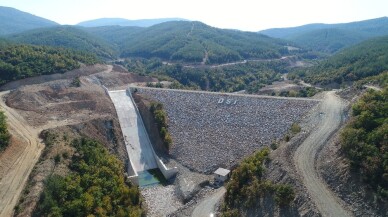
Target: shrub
pixel 274 145
pixel 57 158
pixel 65 155
pixel 160 117
pixel 96 187
pixel 76 82
pixel 284 195
pixel 295 128
pixel 4 134
pixel 364 140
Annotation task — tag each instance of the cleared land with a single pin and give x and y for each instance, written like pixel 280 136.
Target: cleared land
pixel 210 130
pixel 18 159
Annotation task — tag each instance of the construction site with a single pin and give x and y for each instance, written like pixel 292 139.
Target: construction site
pixel 209 131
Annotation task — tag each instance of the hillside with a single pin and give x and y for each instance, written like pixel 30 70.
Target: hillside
pixel 66 37
pixel 15 21
pixel 196 42
pixel 366 59
pixel 125 22
pixel 116 35
pixel 329 40
pixel 22 61
pixel 364 140
pixel 332 37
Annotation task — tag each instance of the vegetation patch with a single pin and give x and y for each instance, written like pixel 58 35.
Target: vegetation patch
pixel 4 134
pixel 23 61
pixel 249 76
pixel 96 186
pixel 247 187
pixel 365 140
pixel 304 92
pixel 366 59
pixel 160 116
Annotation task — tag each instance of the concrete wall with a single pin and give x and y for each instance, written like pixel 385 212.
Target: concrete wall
pixel 167 173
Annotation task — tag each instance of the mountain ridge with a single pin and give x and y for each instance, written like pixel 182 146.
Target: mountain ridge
pixel 288 32
pixel 330 38
pixel 67 37
pixel 16 21
pixel 126 22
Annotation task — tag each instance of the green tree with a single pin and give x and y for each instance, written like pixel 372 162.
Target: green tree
pixel 4 134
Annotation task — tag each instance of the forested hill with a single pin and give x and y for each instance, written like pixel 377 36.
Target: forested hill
pixel 67 37
pixel 22 61
pixel 116 35
pixel 15 21
pixel 366 59
pixel 125 22
pixel 193 41
pixel 330 38
pixel 376 26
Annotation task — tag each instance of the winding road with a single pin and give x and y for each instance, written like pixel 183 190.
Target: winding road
pixel 305 157
pixel 19 158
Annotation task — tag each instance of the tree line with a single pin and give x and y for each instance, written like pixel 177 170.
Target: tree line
pixel 369 58
pixel 250 76
pixel 23 61
pixel 4 134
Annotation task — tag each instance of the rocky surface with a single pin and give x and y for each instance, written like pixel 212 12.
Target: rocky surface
pixel 160 200
pixel 212 130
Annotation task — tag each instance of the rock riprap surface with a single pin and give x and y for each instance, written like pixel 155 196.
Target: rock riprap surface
pixel 210 130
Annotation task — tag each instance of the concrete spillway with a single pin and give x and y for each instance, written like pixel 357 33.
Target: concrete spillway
pixel 138 146
pixel 141 154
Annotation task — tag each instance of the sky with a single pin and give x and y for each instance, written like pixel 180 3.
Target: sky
pixel 247 15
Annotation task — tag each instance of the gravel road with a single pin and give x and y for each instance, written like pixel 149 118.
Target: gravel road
pixel 23 159
pixel 305 157
pixel 207 206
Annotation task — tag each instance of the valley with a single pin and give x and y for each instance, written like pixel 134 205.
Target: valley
pixel 120 117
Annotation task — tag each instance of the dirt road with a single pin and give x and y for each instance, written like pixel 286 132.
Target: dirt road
pixel 305 157
pixel 19 158
pixel 207 206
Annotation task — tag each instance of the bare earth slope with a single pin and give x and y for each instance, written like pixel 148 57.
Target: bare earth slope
pixel 305 158
pixel 46 102
pixel 27 154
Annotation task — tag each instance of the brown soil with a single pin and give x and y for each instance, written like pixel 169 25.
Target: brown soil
pixel 17 160
pixel 277 87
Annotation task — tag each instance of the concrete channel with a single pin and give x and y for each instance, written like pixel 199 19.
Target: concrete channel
pixel 141 154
